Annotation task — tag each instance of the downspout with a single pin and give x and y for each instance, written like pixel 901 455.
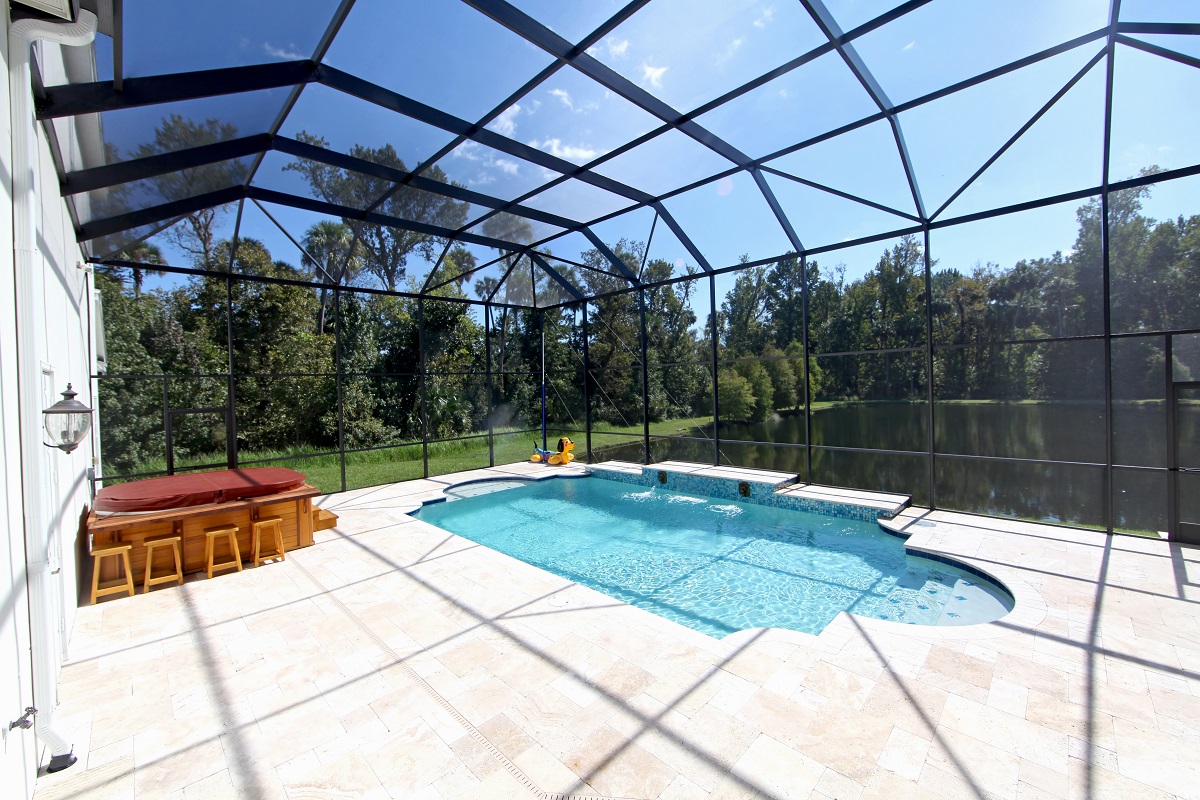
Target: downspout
pixel 26 261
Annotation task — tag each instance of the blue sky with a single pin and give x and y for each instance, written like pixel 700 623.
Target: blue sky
pixel 688 52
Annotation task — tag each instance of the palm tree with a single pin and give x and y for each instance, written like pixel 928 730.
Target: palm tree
pixel 331 249
pixel 141 253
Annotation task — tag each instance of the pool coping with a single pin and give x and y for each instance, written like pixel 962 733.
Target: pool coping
pixel 440 495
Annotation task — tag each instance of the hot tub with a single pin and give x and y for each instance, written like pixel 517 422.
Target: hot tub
pixel 195 489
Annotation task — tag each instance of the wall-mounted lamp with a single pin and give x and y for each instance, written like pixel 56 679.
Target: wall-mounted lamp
pixel 67 422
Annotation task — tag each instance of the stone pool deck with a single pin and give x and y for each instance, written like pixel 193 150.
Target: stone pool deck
pixel 422 665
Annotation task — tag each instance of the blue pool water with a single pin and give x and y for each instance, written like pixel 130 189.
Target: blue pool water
pixel 714 565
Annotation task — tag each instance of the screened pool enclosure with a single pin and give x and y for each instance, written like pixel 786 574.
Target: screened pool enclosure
pixel 945 249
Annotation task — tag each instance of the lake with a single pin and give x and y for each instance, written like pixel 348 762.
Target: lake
pixel 1071 493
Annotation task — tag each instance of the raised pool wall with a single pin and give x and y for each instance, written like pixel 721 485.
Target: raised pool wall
pixel 735 483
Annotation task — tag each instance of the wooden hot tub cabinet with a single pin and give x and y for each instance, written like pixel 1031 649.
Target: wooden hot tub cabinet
pixel 294 506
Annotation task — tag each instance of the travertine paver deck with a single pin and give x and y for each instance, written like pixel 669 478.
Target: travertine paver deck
pixel 393 659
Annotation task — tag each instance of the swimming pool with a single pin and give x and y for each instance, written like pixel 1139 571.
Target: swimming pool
pixel 718 566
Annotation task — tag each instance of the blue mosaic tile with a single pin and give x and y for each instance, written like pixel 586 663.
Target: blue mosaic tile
pixel 762 493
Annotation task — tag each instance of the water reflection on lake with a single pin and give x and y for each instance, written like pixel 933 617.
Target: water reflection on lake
pixel 1071 493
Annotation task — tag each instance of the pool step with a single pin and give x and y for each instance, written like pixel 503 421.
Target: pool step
pixel 323 519
pixel 779 489
pixel 888 505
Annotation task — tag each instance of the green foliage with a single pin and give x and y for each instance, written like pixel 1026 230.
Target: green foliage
pixel 782 377
pixel 735 396
pixel 761 389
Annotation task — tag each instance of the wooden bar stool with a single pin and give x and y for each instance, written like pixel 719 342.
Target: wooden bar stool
pixel 120 551
pixel 162 541
pixel 230 532
pixel 275 525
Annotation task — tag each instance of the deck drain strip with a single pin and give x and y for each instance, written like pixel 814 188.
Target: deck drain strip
pixel 504 760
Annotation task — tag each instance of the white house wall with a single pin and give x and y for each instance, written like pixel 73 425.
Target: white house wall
pixel 19 753
pixel 55 331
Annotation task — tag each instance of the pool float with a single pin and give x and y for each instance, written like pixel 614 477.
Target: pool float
pixel 563 456
pixel 539 455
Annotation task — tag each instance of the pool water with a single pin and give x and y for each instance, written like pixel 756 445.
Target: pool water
pixel 714 565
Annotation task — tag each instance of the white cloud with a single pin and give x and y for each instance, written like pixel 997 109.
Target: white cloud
pixel 909 46
pixel 652 75
pixel 469 150
pixel 564 96
pixel 506 123
pixel 616 48
pixel 765 18
pixel 555 147
pixel 488 162
pixel 289 53
pixel 783 93
pixel 730 51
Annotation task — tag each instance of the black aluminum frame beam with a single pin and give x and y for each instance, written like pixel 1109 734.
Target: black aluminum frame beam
pixel 247 78
pixel 394 101
pixel 333 158
pixel 538 34
pixel 683 238
pixel 87 180
pixel 306 284
pixel 553 273
pixel 69 100
pixel 616 19
pixel 832 31
pixel 151 214
pixel 1157 50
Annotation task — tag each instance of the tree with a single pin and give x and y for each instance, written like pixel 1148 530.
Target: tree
pixel 142 252
pixel 615 330
pixel 273 335
pixel 785 300
pixel 511 228
pixel 763 391
pixel 386 249
pixel 744 314
pixel 735 397
pixel 783 378
pixel 333 255
pixel 195 233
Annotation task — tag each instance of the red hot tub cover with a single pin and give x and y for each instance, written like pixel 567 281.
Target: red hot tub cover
pixel 196 489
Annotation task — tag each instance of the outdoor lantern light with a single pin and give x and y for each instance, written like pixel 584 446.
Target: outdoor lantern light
pixel 67 422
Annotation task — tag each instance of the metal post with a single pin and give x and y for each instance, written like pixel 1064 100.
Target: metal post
pixel 337 365
pixel 712 335
pixel 1106 288
pixel 421 386
pixel 929 394
pixel 542 333
pixel 645 380
pixel 231 449
pixel 487 346
pixel 167 429
pixel 807 386
pixel 1172 442
pixel 587 382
